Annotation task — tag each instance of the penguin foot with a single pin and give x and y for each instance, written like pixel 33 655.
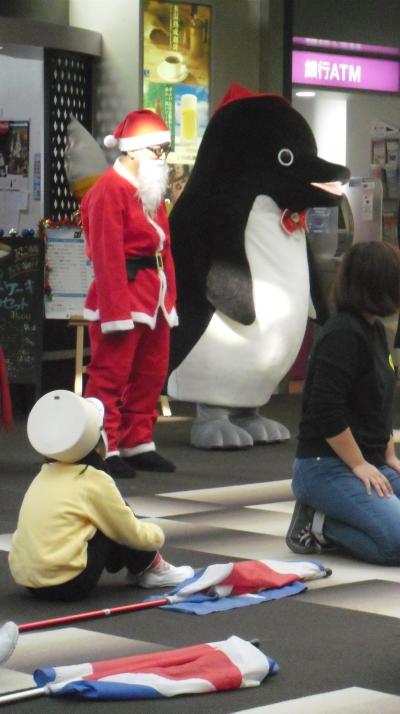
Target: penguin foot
pixel 219 434
pixel 261 429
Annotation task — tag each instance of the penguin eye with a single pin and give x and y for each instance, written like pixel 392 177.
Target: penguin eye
pixel 285 157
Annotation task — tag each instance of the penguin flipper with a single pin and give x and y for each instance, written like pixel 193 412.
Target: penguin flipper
pixel 229 285
pixel 229 289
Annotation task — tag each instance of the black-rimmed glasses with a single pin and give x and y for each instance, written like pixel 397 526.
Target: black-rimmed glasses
pixel 161 150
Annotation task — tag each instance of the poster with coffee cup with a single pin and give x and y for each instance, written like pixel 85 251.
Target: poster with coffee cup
pixel 176 71
pixel 176 42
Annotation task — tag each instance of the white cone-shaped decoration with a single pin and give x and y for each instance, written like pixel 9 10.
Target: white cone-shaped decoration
pixel 84 160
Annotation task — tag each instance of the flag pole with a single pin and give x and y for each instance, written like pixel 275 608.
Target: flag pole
pixel 35 692
pixel 23 694
pixel 8 641
pixel 67 619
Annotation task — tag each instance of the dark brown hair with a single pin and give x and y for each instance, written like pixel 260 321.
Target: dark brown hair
pixel 368 279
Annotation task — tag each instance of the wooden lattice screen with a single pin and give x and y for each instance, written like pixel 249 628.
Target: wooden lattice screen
pixel 67 91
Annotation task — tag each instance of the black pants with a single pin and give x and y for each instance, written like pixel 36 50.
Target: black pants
pixel 102 554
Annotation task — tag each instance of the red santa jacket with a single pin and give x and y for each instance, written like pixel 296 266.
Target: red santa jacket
pixel 116 227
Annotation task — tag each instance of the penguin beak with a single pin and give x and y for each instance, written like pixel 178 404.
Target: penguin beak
pixel 334 187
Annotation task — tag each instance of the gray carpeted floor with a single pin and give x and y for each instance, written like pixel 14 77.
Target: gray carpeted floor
pixel 342 633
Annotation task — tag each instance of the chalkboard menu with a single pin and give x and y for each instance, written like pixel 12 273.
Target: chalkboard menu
pixel 21 307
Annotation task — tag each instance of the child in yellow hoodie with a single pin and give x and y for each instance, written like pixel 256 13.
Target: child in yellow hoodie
pixel 74 523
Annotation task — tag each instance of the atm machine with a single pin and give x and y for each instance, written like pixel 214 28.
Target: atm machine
pixel 365 198
pixel 333 231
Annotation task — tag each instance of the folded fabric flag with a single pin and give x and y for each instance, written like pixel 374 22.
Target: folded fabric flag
pixel 225 586
pixel 231 664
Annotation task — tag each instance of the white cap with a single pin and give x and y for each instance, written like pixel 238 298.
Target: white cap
pixel 65 427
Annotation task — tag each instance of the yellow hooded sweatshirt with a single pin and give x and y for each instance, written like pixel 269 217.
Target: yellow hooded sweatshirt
pixel 62 509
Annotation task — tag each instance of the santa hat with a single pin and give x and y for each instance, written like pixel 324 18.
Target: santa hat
pixel 138 130
pixel 237 91
pixel 65 427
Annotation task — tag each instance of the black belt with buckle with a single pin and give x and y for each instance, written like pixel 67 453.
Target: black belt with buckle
pixel 138 262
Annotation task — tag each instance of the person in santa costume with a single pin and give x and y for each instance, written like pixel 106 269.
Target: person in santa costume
pixel 130 304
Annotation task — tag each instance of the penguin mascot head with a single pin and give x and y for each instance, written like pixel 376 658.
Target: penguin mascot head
pixel 254 145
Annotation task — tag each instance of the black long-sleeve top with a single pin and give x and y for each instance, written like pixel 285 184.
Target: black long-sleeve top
pixel 350 383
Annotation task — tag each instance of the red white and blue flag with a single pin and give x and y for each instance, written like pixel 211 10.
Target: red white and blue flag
pixel 217 666
pixel 225 586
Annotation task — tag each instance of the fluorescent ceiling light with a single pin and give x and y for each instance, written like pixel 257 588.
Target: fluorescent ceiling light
pixel 305 93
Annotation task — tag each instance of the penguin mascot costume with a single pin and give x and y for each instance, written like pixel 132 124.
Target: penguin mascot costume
pixel 245 277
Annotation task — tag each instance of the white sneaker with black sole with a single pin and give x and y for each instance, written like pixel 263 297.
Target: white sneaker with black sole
pixel 168 577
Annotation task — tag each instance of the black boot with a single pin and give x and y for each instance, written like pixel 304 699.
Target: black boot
pixel 117 467
pixel 150 461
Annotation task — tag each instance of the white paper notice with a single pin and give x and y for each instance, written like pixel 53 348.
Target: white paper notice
pixel 70 272
pixel 11 203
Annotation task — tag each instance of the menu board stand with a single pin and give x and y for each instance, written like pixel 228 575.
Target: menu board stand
pixel 21 309
pixel 79 324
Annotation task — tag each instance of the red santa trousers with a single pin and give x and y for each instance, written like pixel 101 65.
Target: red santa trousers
pixel 127 372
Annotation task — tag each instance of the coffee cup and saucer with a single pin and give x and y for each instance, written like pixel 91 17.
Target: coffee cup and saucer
pixel 172 68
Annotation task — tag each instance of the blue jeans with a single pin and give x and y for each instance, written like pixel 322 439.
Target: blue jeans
pixel 367 526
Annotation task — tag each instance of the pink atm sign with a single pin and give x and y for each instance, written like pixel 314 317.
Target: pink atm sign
pixel 352 72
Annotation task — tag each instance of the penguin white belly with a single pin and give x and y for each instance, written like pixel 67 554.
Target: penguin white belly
pixel 236 365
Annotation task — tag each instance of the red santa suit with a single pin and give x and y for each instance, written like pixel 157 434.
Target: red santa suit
pixel 129 319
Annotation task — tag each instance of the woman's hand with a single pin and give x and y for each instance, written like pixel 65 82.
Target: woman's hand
pixel 346 448
pixel 372 478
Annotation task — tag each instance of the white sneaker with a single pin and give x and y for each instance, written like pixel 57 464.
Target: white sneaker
pixel 172 575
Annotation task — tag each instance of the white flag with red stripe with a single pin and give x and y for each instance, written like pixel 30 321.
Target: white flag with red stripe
pixel 225 586
pixel 217 666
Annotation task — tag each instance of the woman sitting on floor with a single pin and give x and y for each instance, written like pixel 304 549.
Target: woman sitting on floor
pixel 73 522
pixel 346 473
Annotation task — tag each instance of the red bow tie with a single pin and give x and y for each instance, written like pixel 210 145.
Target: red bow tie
pixel 293 221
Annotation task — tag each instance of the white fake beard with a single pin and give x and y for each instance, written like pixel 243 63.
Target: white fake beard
pixel 152 183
